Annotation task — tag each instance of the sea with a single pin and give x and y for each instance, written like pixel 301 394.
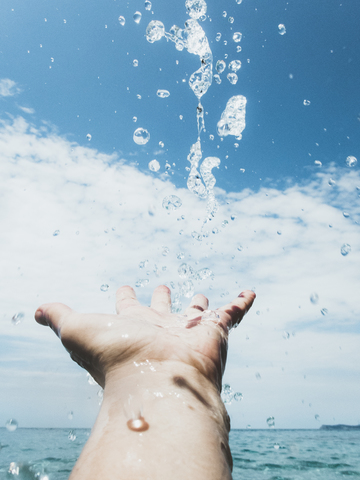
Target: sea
pixel 50 454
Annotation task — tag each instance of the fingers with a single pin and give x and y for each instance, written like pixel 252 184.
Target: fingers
pixel 161 299
pixel 125 297
pixel 198 304
pixel 234 312
pixel 52 314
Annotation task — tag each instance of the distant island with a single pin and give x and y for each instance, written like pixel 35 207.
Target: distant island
pixel 340 427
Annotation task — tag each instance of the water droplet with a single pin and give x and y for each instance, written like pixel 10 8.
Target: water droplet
pixel 187 289
pixel 137 17
pixel 185 271
pixel 165 251
pixel 72 436
pixel 218 37
pixel 104 287
pixel 227 394
pixel 306 102
pixel 324 311
pixel 138 97
pixel 134 119
pixel 286 335
pixel 233 78
pixel 238 49
pixel 346 214
pixel 141 136
pixel 238 397
pixel 331 182
pixel 203 274
pixel 155 31
pixel 121 20
pixel 135 62
pixel 17 318
pixel 196 8
pixel 317 417
pixel 224 14
pixel 279 232
pixel 172 202
pixel 88 136
pixel 345 249
pixel 167 166
pixel 318 163
pixel 271 422
pixel 143 264
pixel 148 5
pixel 56 233
pixel 237 37
pixel 163 93
pixel 351 161
pixel 232 121
pixel 142 283
pixel 314 298
pixel 154 165
pixel 161 144
pixel 70 415
pixel 231 19
pixel 282 29
pixel 138 425
pixel 217 79
pixel 258 376
pixel 180 255
pixel 196 236
pixel 235 65
pixel 238 1
pixel 220 66
pixel 11 425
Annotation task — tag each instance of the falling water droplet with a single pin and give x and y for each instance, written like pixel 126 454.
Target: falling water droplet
pixel 235 65
pixel 11 425
pixel 148 5
pixel 17 318
pixel 137 17
pixel 238 397
pixel 163 93
pixel 237 37
pixel 121 20
pixel 232 121
pixel 324 311
pixel 306 102
pixel 142 283
pixel 231 19
pixel 218 37
pixel 135 62
pixel 227 394
pixel 345 249
pixel 233 78
pixel 171 202
pixel 141 136
pixel 351 161
pixel 72 436
pixel 271 422
pixel 155 31
pixel 88 136
pixel 104 287
pixel 282 29
pixel 56 233
pixel 165 251
pixel 318 163
pixel 154 165
pixel 314 298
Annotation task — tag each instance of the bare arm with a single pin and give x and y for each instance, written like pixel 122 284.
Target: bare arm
pixel 162 416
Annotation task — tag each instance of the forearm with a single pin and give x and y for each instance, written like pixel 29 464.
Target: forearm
pixel 183 430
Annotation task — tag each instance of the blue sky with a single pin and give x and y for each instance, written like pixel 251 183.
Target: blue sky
pixel 289 224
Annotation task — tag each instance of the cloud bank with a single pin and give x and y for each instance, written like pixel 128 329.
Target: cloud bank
pixel 77 223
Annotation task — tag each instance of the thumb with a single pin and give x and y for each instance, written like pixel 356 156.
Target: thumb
pixel 52 315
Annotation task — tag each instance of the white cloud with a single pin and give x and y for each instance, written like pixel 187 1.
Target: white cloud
pixel 8 88
pixel 27 110
pixel 110 218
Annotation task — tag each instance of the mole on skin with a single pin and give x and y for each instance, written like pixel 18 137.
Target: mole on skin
pixel 138 425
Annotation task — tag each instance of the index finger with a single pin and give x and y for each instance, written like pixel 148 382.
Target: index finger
pixel 234 312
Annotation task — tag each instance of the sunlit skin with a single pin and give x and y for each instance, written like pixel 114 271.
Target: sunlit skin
pixel 164 419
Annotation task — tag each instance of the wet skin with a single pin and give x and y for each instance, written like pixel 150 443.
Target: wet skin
pixel 161 375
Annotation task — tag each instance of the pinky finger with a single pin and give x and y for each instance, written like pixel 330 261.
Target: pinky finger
pixel 234 312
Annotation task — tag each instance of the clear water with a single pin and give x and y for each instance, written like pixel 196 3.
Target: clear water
pixel 258 454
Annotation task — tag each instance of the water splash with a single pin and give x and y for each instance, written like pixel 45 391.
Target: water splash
pixel 232 121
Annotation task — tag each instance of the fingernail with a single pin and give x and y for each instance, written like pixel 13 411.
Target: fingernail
pixel 241 295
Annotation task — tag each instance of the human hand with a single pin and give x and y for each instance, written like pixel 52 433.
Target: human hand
pixel 103 343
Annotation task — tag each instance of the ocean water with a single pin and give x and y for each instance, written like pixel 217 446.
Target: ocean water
pixel 50 454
